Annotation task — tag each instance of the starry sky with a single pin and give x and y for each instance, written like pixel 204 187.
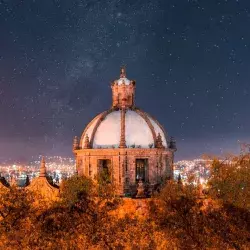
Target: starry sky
pixel 190 59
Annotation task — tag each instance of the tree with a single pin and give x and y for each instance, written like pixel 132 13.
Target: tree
pixel 15 209
pixel 86 215
pixel 75 189
pixel 179 179
pixel 230 181
pixel 199 222
pixel 27 181
pixel 81 218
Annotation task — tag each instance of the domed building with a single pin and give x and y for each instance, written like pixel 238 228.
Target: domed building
pixel 125 142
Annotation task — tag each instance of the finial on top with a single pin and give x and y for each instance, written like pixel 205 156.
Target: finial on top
pixel 123 72
pixel 42 168
pixel 75 143
pixel 43 159
pixel 159 141
pixel 86 142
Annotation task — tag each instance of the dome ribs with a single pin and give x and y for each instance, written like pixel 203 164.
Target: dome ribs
pixel 123 127
pixel 87 127
pixel 161 127
pixel 75 143
pixel 144 116
pixel 102 117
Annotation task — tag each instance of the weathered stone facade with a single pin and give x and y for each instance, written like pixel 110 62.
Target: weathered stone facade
pixel 127 142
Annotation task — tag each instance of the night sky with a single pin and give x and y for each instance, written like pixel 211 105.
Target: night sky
pixel 190 59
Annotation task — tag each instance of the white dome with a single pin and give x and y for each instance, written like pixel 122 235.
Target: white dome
pixel 92 125
pixel 158 130
pixel 137 131
pixel 105 130
pixel 109 131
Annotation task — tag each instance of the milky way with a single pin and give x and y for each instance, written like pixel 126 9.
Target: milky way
pixel 190 60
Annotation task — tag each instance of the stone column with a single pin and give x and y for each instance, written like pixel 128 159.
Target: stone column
pixel 122 138
pixel 86 164
pixel 122 171
pixel 169 165
pixel 80 165
pixel 132 172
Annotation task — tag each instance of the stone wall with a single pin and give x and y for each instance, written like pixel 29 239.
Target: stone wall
pixel 123 164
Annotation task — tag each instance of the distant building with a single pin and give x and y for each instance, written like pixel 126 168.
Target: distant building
pixel 42 187
pixel 125 143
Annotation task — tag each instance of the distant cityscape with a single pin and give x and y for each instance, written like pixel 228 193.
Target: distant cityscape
pixel 199 169
pixel 59 168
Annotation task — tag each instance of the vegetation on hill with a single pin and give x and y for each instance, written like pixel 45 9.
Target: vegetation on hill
pixel 179 217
